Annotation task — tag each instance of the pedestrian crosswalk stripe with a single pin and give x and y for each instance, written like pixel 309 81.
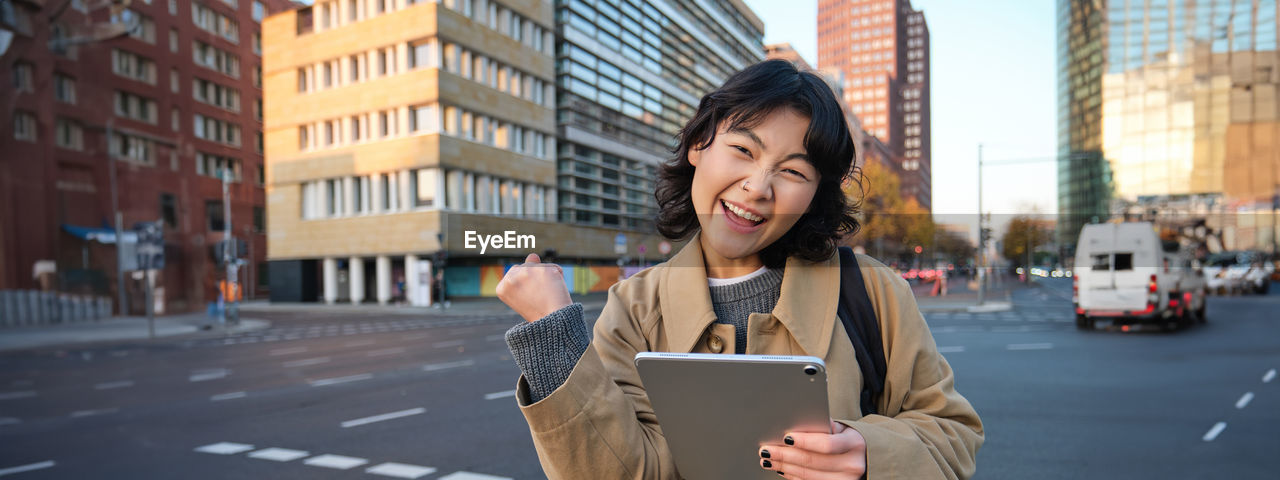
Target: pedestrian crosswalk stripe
pixel 27 468
pixel 400 470
pixel 337 462
pixel 497 395
pixel 224 448
pixel 279 454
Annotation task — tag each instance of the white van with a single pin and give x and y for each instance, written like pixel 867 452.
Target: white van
pixel 1124 274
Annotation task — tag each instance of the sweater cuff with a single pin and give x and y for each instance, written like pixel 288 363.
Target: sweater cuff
pixel 547 350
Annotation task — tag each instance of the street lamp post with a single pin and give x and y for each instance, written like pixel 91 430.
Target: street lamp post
pixel 119 222
pixel 982 241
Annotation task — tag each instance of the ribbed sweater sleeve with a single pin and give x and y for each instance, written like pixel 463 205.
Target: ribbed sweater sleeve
pixel 547 350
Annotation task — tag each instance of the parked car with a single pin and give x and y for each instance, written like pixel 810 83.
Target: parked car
pixel 1124 274
pixel 1239 272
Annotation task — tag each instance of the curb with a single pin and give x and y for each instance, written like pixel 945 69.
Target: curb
pixel 121 331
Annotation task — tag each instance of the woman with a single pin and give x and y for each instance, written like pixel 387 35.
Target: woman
pixel 756 187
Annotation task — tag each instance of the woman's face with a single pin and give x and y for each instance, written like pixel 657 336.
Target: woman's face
pixel 751 185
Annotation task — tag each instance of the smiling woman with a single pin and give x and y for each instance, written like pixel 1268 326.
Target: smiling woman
pixel 755 187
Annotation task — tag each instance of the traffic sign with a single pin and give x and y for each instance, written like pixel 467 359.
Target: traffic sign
pixel 620 244
pixel 150 249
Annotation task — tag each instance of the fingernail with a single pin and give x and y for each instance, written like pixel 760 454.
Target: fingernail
pixel 764 454
pixel 766 463
pixel 788 440
pixel 779 472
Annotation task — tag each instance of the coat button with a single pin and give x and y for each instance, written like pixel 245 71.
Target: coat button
pixel 715 344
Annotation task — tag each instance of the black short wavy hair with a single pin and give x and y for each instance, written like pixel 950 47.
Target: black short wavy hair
pixel 745 100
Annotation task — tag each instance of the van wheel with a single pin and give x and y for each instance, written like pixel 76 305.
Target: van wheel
pixel 1083 322
pixel 1264 287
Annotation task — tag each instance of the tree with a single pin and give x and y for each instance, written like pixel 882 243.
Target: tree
pixel 1023 234
pixel 953 247
pixel 891 225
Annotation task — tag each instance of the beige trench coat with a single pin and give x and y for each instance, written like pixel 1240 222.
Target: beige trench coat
pixel 599 424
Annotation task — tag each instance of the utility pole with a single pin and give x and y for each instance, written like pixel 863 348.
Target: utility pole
pixel 982 240
pixel 228 248
pixel 119 221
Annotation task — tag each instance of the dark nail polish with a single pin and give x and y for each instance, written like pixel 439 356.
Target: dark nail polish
pixel 779 472
pixel 764 454
pixel 767 464
pixel 788 440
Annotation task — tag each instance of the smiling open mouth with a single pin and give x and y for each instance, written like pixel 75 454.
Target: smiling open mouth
pixel 741 216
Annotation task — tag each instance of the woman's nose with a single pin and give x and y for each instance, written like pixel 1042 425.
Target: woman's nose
pixel 759 185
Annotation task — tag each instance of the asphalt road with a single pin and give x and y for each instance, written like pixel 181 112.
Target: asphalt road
pixel 367 396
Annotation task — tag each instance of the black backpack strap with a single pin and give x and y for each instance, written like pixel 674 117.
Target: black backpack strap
pixel 863 327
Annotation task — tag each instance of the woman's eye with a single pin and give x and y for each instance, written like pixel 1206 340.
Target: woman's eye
pixel 796 173
pixel 743 150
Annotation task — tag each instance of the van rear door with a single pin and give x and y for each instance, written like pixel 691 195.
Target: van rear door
pixel 1116 283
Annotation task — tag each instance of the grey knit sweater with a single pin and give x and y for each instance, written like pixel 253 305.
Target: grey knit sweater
pixel 547 350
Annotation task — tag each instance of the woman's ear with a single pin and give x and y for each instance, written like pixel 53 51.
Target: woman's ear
pixel 694 156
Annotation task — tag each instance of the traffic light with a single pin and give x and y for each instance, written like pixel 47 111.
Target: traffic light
pixel 984 236
pixel 217 251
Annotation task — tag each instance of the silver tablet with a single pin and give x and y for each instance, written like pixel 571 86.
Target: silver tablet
pixel 716 410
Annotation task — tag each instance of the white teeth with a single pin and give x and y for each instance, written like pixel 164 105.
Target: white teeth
pixel 742 213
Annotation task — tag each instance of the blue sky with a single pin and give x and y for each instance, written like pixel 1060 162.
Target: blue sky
pixel 994 81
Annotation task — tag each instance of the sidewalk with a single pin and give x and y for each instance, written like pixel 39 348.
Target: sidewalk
pixel 114 329
pixel 960 298
pixel 468 306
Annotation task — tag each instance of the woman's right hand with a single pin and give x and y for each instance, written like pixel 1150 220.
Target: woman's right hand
pixel 534 289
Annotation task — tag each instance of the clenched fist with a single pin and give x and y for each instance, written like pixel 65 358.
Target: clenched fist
pixel 534 289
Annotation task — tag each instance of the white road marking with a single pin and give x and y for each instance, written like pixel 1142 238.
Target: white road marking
pixel 494 338
pixel 497 395
pixel 400 470
pixel 111 385
pixel 335 461
pixel 17 395
pixel 89 413
pixel 386 416
pixel 279 454
pixel 1271 374
pixel 385 351
pixel 206 375
pixel 287 351
pixel 1244 400
pixel 431 367
pixel 27 468
pixel 1029 346
pixel 471 476
pixel 224 448
pixel 305 362
pixel 9 421
pixel 449 343
pixel 1213 432
pixel 335 381
pixel 359 343
pixel 227 396
pixel 957 349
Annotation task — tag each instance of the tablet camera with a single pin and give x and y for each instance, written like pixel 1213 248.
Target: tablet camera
pixel 810 370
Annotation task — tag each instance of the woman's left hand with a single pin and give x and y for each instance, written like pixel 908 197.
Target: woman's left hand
pixel 818 456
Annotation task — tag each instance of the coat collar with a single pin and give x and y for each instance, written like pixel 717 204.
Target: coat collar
pixel 806 306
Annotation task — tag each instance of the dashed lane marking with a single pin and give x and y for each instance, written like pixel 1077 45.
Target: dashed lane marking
pixel 27 468
pixel 17 395
pixel 206 375
pixel 90 413
pixel 432 367
pixel 956 349
pixel 305 362
pixel 279 454
pixel 450 343
pixel 113 385
pixel 497 395
pixel 337 462
pixel 385 351
pixel 1029 346
pixel 472 476
pixel 227 396
pixel 335 381
pixel 224 448
pixel 400 470
pixel 287 351
pixel 386 416
pixel 1270 375
pixel 1244 400
pixel 9 421
pixel 1213 432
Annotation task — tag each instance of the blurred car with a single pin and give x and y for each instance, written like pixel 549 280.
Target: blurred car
pixel 1239 272
pixel 1123 274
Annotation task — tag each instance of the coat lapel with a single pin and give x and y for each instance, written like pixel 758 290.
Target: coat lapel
pixel 806 307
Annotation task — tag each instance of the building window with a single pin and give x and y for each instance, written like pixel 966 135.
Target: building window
pixel 216 166
pixel 215 59
pixel 173 40
pixel 215 130
pixel 259 11
pixel 140 26
pixel 24 126
pixel 173 7
pixel 64 88
pixel 216 23
pixel 259 220
pixel 424 119
pixel 134 66
pixel 257 43
pixel 423 187
pixel 213 213
pixel 211 93
pixel 135 107
pixel 169 209
pixel 69 134
pixel 134 149
pixel 22 77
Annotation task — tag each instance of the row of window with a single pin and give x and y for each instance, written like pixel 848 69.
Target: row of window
pixel 131 65
pixel 337 13
pixel 211 93
pixel 135 107
pixel 360 67
pixel 216 166
pixel 424 188
pixel 461 61
pixel 133 148
pixel 424 120
pixel 215 59
pixel 216 23
pixel 215 130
